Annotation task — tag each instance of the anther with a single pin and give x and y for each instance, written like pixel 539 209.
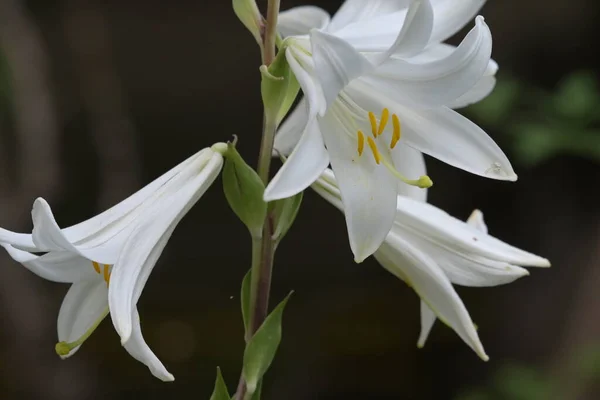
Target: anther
pixel 361 142
pixel 373 124
pixel 96 267
pixel 374 150
pixel 106 273
pixel 397 132
pixel 385 115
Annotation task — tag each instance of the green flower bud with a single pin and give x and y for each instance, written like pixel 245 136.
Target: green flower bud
pixel 248 13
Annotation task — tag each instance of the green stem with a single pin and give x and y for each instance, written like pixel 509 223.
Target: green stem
pixel 263 248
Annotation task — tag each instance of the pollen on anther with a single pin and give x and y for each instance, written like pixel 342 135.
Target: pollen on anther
pixel 373 124
pixel 374 150
pixel 385 115
pixel 106 273
pixel 397 132
pixel 96 267
pixel 361 142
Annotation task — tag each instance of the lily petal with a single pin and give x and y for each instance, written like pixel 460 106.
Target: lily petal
pixel 477 222
pixel 146 243
pixel 20 240
pixel 303 68
pixel 368 190
pixel 289 133
pixel 302 168
pixel 480 91
pixel 336 63
pixel 360 10
pixel 442 133
pixel 429 281
pixel 415 32
pixel 56 266
pixel 451 16
pixel 440 82
pixel 437 226
pixel 427 320
pixel 136 346
pixel 300 20
pixel 83 306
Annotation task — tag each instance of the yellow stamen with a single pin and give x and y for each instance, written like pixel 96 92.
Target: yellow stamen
pixel 96 266
pixel 63 348
pixel 374 149
pixel 106 273
pixel 385 115
pixel 373 124
pixel 361 142
pixel 397 132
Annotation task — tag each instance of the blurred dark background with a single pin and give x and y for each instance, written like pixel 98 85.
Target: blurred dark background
pixel 99 97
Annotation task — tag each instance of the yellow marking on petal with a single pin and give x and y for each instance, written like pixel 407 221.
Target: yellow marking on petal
pixel 397 132
pixel 373 124
pixel 96 266
pixel 361 142
pixel 106 273
pixel 374 150
pixel 385 115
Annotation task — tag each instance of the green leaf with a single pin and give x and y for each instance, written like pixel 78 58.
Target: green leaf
pixel 220 392
pixel 245 299
pixel 260 350
pixel 577 96
pixel 244 191
pixel 279 88
pixel 284 213
pixel 249 15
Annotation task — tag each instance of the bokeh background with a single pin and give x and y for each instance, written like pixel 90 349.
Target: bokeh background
pixel 99 97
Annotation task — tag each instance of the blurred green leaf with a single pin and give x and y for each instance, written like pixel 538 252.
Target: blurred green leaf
pixel 497 107
pixel 260 350
pixel 220 392
pixel 516 382
pixel 577 96
pixel 588 361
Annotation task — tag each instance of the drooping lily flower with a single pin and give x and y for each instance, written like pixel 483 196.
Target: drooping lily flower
pixel 430 251
pixel 109 257
pixel 375 72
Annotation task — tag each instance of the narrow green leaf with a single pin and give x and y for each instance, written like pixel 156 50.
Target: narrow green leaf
pixel 260 350
pixel 220 392
pixel 245 299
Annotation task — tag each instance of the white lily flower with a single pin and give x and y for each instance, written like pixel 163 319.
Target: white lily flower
pixel 430 250
pixel 374 71
pixel 109 257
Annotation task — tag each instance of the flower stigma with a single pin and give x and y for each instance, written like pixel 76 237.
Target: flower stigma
pixel 63 348
pixel 377 129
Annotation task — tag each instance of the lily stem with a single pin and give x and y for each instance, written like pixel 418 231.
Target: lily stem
pixel 262 263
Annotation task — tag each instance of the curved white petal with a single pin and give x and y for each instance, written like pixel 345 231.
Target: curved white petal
pixel 415 32
pixel 353 11
pixel 441 133
pixel 429 281
pixel 146 243
pixel 450 16
pixel 336 63
pixel 476 221
pixel 300 20
pixel 289 133
pixel 480 91
pixel 410 163
pixel 368 190
pixel 445 231
pixel 23 241
pixel 302 168
pixel 427 320
pixel 55 266
pixel 138 349
pixel 303 68
pixel 440 82
pixel 111 217
pixel 84 305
